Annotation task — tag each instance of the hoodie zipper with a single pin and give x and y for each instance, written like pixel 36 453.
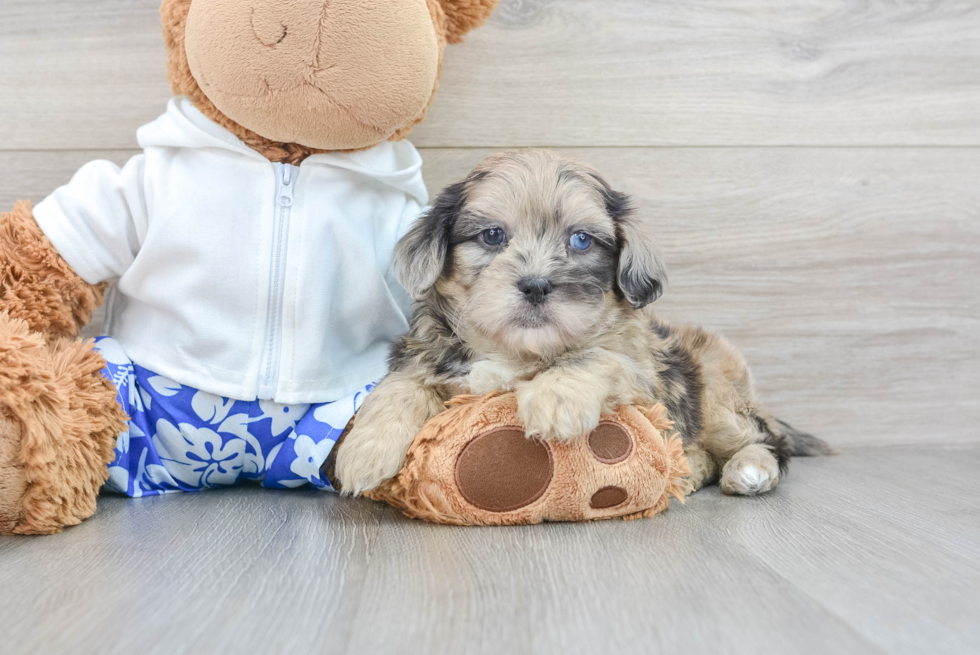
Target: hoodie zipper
pixel 272 344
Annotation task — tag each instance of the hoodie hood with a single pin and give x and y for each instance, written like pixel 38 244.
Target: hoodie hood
pixel 396 164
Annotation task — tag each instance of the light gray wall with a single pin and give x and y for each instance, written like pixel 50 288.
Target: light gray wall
pixel 811 169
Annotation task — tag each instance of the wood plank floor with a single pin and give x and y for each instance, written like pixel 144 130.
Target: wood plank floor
pixel 876 550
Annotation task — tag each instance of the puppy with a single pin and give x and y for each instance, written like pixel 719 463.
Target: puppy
pixel 531 275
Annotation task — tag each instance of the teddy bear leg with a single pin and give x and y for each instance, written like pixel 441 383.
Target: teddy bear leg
pixel 13 481
pixel 59 420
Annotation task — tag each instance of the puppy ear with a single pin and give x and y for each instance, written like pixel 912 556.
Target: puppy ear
pixel 420 255
pixel 641 275
pixel 463 16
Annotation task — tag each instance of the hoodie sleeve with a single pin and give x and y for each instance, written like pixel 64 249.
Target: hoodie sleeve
pixel 95 220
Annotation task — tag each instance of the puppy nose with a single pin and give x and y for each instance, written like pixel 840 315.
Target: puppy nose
pixel 534 289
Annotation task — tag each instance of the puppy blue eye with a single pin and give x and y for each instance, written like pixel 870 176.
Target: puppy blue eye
pixel 494 237
pixel 580 241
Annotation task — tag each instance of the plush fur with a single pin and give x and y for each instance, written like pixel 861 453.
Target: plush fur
pixel 506 302
pixel 462 16
pixel 59 424
pixel 36 285
pixel 426 486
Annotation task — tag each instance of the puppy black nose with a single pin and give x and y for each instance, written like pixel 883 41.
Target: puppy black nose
pixel 534 289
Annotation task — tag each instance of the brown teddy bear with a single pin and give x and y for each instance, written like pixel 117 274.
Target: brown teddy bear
pixel 291 109
pixel 252 301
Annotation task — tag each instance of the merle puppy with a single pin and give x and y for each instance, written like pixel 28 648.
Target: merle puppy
pixel 532 275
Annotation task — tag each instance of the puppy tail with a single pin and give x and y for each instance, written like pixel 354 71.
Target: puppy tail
pixel 803 444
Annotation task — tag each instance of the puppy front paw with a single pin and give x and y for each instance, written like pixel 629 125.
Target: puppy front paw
pixel 367 458
pixel 556 412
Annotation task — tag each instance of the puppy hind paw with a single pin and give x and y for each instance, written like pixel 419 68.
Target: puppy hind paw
pixel 753 470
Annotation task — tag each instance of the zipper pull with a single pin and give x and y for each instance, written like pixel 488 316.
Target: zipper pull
pixel 286 189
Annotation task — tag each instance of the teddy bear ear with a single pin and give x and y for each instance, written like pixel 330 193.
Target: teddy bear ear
pixel 465 15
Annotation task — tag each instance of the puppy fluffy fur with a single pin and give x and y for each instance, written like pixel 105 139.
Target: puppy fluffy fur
pixel 532 275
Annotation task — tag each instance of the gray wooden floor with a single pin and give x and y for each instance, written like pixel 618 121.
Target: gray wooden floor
pixel 876 550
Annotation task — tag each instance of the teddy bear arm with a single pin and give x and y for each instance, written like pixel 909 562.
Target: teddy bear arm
pixel 36 284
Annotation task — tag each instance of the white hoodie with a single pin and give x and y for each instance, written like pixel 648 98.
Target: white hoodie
pixel 241 277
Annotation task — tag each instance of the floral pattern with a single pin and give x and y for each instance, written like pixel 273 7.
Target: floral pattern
pixel 182 439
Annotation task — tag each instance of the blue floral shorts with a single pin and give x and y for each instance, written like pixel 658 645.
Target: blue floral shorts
pixel 182 439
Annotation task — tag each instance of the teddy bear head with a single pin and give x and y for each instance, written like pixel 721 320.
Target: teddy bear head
pixel 294 77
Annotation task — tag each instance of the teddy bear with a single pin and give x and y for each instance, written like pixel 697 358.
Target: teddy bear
pixel 245 261
pixel 248 250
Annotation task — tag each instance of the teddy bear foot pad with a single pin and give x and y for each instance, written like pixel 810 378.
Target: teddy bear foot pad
pixel 474 465
pixel 502 470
